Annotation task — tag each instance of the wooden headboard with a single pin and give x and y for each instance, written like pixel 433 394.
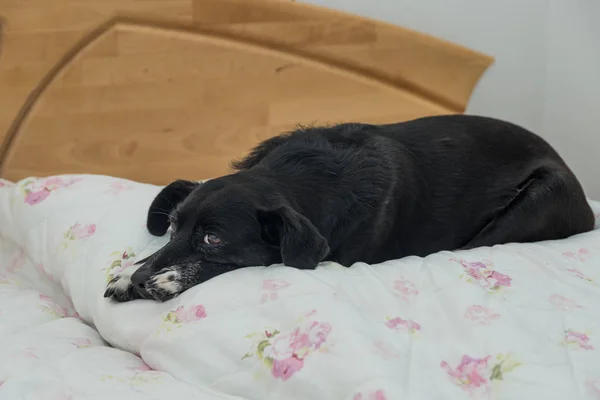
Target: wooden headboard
pixel 165 89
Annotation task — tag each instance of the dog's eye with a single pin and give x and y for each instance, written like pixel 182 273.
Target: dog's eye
pixel 212 239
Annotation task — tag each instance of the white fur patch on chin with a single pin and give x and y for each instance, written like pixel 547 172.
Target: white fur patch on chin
pixel 167 281
pixel 121 283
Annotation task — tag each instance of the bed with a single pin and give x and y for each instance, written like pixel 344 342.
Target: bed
pixel 104 102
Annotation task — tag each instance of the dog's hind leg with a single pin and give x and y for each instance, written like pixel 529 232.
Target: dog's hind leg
pixel 549 205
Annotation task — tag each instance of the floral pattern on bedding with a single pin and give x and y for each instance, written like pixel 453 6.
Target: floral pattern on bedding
pixel 284 354
pixel 399 324
pixel 374 395
pixel 271 288
pixel 578 340
pixel 477 375
pixel 564 303
pixel 472 326
pixel 481 315
pixel 482 273
pixel 183 315
pixel 579 274
pixel 581 254
pixel 76 232
pixel 405 289
pixel 36 190
pixel 119 186
pixel 120 261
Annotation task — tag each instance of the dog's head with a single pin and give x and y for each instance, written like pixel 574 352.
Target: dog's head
pixel 222 225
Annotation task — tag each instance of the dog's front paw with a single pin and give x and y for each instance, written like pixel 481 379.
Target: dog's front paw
pixel 120 288
pixel 164 285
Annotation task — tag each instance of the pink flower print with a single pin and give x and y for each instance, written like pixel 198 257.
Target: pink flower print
pixel 17 262
pixel 121 261
pixel 29 353
pixel 471 374
pixel 581 254
pixel 402 324
pixel 78 231
pixel 285 354
pixel 280 348
pixel 317 334
pixel 275 284
pixel 385 352
pixel 36 197
pixel 578 339
pixel 299 341
pixel 37 190
pixel 191 314
pixel 271 287
pixel 480 314
pixel 405 289
pixel 57 182
pixel 119 186
pixel 284 369
pixel 53 183
pixel 4 183
pixel 304 340
pixel 579 274
pixel 376 395
pixel 141 368
pixel 563 303
pixel 82 343
pixel 484 276
pixel 40 267
pixel 49 305
pixel 497 279
pixel 593 388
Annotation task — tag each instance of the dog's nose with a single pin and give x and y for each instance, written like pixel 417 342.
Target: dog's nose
pixel 140 277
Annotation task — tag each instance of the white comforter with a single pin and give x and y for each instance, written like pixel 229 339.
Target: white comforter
pixel 519 321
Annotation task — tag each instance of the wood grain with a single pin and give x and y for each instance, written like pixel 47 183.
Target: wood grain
pixel 159 90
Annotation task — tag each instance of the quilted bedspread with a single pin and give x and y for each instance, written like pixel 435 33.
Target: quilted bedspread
pixel 517 321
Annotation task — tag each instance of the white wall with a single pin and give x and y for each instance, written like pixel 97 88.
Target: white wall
pixel 547 71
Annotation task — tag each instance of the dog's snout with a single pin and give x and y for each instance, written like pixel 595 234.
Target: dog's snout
pixel 140 277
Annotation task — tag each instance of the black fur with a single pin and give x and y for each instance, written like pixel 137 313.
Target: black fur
pixel 370 193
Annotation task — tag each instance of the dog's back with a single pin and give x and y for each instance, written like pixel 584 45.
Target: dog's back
pixel 379 192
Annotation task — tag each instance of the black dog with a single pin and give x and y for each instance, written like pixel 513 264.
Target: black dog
pixel 356 192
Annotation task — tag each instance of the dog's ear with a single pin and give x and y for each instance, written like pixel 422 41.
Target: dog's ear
pixel 165 202
pixel 300 243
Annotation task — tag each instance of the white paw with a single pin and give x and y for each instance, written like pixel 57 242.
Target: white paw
pixel 166 281
pixel 121 282
pixel 120 288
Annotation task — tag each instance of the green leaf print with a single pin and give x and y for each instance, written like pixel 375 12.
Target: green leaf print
pixel 268 362
pixel 497 372
pixel 260 348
